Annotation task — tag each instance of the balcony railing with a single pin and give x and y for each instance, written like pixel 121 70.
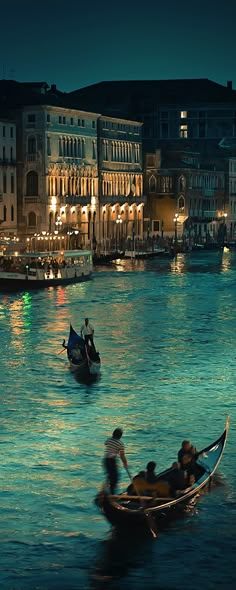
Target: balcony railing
pixel 32 157
pixel 106 199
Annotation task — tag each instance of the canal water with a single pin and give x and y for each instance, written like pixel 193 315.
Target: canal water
pixel 166 332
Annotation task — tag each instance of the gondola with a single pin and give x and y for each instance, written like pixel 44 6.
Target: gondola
pixel 127 512
pixel 89 363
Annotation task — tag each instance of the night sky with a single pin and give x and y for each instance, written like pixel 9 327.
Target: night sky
pixel 73 44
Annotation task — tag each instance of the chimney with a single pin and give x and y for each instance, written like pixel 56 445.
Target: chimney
pixel 229 84
pixel 54 87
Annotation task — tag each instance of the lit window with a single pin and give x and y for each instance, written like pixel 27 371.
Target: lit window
pixel 183 114
pixel 183 131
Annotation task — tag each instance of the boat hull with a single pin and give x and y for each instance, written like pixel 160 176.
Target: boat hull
pixel 19 284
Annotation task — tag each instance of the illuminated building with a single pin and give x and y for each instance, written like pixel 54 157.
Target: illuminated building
pixel 8 201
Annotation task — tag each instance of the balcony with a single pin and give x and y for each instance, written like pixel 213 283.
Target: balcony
pixel 122 199
pixel 30 200
pixel 32 157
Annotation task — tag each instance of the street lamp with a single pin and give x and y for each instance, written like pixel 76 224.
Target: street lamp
pixel 225 215
pixel 175 220
pixel 119 221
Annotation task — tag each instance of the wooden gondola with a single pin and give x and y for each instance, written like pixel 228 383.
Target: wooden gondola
pixel 126 511
pixel 89 363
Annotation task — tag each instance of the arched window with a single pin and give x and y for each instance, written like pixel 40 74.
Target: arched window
pixel 181 203
pixel 4 213
pixel 89 223
pixel 31 145
pixel 50 221
pixel 32 219
pixel 152 184
pixel 32 184
pixel 12 213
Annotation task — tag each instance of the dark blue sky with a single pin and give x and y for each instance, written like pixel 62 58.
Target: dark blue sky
pixel 73 44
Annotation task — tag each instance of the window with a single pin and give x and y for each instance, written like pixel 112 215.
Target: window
pixel 183 131
pixel 79 123
pixel 93 124
pixel 31 118
pixel 156 225
pixel 4 131
pixel 94 150
pixel 4 153
pixel 4 183
pixel 48 146
pixel 183 114
pixel 82 122
pixel 32 184
pixel 71 121
pixel 12 183
pixel 202 129
pixel 48 118
pixel 60 120
pixel 164 115
pixel 32 219
pixel 31 145
pixel 12 213
pixel 11 154
pixel 4 213
pixel 11 132
pixel 64 120
pixel 181 203
pixel 164 130
pixel 202 114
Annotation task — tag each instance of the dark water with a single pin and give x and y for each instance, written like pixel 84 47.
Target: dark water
pixel 166 332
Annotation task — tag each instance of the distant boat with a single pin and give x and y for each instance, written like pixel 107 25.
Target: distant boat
pixel 126 512
pixel 86 362
pixel 33 270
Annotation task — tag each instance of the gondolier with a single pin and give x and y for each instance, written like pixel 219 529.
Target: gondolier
pixel 114 448
pixel 87 332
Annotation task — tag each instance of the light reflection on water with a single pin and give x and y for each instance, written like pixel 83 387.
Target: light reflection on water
pixel 166 332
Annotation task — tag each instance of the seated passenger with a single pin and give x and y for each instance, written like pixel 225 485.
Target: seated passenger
pixel 177 479
pixel 75 353
pixel 148 483
pixel 150 475
pixel 186 447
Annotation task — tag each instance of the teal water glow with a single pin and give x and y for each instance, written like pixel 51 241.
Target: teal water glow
pixel 166 331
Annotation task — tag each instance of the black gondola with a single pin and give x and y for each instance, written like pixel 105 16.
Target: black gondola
pixel 126 511
pixel 89 363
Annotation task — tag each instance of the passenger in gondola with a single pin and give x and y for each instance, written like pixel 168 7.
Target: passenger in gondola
pixel 75 353
pixel 187 449
pixel 177 479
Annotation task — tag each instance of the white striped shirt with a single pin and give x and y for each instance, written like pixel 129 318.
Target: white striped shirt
pixel 113 447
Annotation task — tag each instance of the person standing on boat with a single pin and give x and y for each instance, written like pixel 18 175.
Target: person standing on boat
pixel 114 448
pixel 87 332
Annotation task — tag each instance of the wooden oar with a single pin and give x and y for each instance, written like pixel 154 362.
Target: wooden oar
pixel 151 523
pixel 63 350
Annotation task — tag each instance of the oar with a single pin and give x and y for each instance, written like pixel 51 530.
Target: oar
pixel 64 347
pixel 151 523
pixel 63 350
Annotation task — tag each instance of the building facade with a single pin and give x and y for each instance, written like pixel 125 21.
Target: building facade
pixel 8 200
pixel 58 172
pixel 180 192
pixel 120 179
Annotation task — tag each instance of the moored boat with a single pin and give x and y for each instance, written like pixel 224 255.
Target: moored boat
pixel 84 360
pixel 33 270
pixel 127 512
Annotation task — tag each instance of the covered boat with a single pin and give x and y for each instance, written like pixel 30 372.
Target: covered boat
pixel 84 360
pixel 33 270
pixel 126 511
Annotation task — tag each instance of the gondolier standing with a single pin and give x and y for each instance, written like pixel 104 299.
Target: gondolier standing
pixel 114 448
pixel 87 332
